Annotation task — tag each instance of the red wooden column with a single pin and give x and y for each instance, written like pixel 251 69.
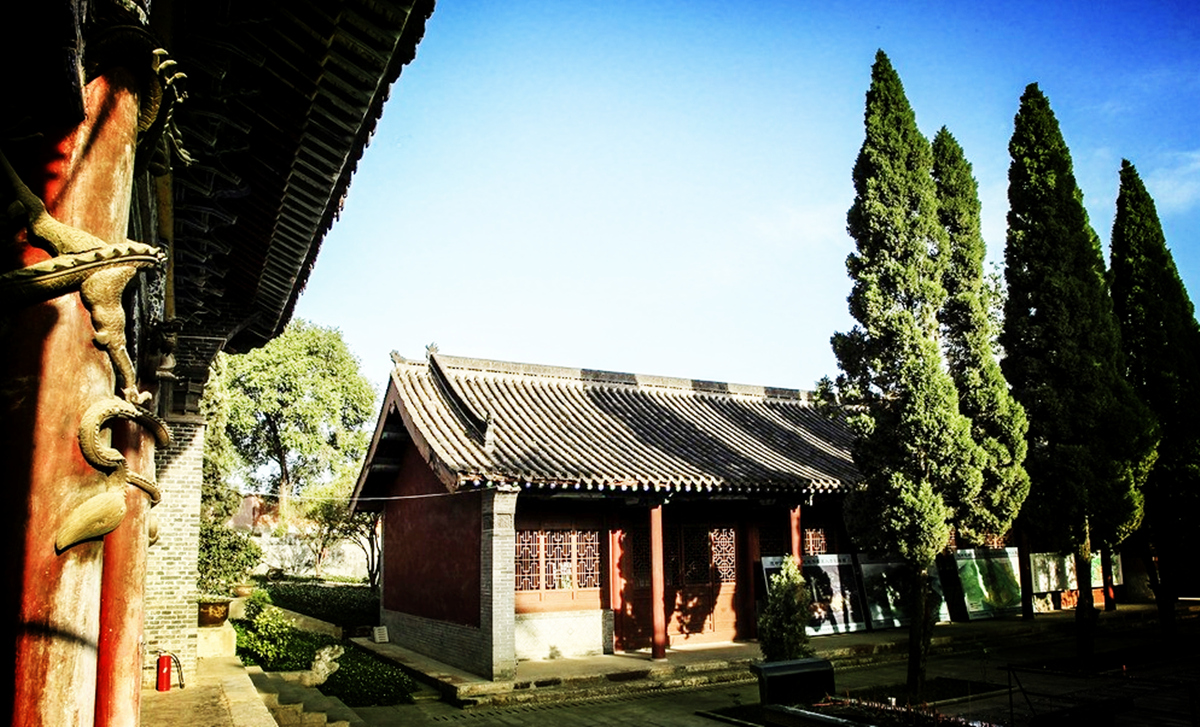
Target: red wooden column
pixel 748 555
pixel 658 590
pixel 797 535
pixel 51 372
pixel 123 590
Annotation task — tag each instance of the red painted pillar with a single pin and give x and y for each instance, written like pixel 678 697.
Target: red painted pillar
pixel 50 373
pixel 122 592
pixel 797 535
pixel 658 590
pixel 616 586
pixel 748 555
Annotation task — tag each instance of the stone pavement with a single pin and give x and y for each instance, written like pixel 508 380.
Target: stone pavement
pixel 218 694
pixel 1157 687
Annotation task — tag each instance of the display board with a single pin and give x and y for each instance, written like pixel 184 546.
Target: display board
pixel 1056 572
pixel 990 580
pixel 885 589
pixel 837 604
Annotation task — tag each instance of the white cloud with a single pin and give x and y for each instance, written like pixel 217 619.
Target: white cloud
pixel 1175 185
pixel 816 225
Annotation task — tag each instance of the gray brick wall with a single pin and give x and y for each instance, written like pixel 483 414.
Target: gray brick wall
pixel 454 644
pixel 498 578
pixel 171 563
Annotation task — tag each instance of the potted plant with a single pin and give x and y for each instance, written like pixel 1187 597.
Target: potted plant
pixel 789 672
pixel 213 610
pixel 225 557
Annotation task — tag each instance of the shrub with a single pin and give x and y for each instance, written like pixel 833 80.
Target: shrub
pixel 347 606
pixel 362 679
pixel 782 627
pixel 225 557
pixel 256 602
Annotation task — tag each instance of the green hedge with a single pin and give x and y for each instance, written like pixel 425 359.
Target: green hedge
pixel 362 679
pixel 346 605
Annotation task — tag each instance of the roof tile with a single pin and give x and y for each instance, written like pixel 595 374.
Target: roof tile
pixel 552 427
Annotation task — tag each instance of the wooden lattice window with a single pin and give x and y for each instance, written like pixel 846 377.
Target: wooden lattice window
pixel 637 552
pixel 700 556
pixel 724 554
pixel 557 560
pixel 528 561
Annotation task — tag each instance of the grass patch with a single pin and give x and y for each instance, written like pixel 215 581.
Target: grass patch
pixel 365 680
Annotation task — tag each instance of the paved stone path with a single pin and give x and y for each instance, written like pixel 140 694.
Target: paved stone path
pixel 669 710
pixel 1158 688
pixel 204 705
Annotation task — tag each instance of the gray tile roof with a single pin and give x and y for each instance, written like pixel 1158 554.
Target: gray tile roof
pixel 539 427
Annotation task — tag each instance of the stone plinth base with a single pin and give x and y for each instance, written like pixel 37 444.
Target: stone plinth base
pixel 214 641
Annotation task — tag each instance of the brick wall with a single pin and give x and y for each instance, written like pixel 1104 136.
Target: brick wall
pixel 450 643
pixel 497 608
pixel 171 563
pixel 489 648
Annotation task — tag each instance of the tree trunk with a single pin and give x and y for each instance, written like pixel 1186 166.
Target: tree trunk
pixel 1106 570
pixel 1085 610
pixel 285 480
pixel 1025 563
pixel 1163 582
pixel 919 634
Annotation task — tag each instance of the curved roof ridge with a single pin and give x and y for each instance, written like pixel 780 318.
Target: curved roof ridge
pixel 470 366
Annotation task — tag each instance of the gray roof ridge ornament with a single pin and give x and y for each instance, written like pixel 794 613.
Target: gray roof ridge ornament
pixel 478 426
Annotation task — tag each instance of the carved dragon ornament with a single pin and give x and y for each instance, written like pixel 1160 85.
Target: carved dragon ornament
pixel 100 271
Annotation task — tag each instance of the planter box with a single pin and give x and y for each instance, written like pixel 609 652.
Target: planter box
pixel 799 681
pixel 213 613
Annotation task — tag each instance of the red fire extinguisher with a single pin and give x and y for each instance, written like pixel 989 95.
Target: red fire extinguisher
pixel 164 671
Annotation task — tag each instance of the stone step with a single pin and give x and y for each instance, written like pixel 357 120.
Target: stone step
pixel 295 705
pixel 340 715
pixel 618 684
pixel 424 693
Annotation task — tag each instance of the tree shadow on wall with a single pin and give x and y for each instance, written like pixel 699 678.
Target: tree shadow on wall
pixel 689 605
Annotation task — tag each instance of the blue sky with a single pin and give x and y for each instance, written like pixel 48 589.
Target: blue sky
pixel 661 187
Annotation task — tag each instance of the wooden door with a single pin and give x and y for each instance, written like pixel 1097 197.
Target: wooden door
pixel 701 572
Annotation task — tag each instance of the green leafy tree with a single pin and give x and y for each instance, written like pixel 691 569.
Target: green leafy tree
pixel 1092 441
pixel 297 407
pixel 221 462
pixel 919 465
pixel 225 556
pixel 1161 341
pixel 998 422
pixel 327 510
pixel 783 625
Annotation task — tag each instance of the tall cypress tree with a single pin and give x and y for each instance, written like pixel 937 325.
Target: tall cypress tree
pixel 1161 342
pixel 998 422
pixel 913 449
pixel 1092 441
